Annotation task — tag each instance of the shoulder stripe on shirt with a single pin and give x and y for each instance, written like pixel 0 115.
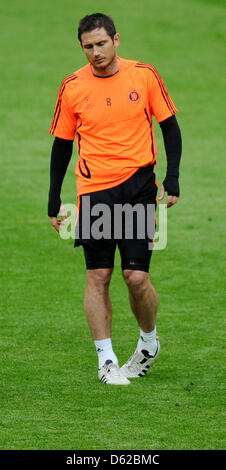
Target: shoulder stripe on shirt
pixel 60 94
pixel 164 92
pixel 59 101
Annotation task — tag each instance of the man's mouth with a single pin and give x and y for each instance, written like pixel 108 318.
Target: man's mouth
pixel 99 60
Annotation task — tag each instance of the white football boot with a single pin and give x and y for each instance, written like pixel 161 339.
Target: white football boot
pixel 111 374
pixel 139 363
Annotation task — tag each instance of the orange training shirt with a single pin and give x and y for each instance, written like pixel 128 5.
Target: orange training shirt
pixel 111 119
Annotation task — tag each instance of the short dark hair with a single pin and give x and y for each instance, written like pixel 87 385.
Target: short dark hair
pixel 97 20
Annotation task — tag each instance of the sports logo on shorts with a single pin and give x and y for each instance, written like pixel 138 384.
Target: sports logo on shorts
pixel 134 96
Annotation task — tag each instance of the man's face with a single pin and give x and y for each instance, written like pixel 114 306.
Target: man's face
pixel 99 48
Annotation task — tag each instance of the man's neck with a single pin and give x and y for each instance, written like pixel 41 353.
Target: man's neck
pixel 112 69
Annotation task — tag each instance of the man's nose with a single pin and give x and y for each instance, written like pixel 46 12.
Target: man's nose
pixel 96 51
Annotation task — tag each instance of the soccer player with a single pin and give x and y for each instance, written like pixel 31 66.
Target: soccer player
pixel 107 106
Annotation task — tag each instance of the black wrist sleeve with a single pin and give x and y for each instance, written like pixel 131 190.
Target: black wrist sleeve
pixel 60 158
pixel 173 146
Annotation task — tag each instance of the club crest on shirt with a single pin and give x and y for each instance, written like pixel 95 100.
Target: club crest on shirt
pixel 134 96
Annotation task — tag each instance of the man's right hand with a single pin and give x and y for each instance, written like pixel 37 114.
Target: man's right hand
pixel 56 221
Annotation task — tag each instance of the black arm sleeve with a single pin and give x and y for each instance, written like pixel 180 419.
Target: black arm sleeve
pixel 60 158
pixel 173 146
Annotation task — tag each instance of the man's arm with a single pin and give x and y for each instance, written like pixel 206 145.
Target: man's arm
pixel 173 146
pixel 60 158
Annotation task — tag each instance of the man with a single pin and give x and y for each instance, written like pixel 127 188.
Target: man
pixel 107 106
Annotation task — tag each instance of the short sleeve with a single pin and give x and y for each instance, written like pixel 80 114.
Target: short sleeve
pixel 161 105
pixel 64 120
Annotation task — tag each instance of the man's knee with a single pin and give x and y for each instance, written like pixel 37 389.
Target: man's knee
pixel 136 280
pixel 99 278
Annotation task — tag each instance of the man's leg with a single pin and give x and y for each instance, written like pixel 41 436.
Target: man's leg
pixel 144 303
pixel 98 311
pixel 143 298
pixel 97 302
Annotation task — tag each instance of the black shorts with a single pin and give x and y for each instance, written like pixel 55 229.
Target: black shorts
pixel 122 216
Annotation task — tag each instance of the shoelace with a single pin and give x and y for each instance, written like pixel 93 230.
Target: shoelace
pixel 136 355
pixel 114 369
pixel 132 358
pixel 135 365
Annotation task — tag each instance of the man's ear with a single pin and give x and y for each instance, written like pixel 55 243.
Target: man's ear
pixel 116 39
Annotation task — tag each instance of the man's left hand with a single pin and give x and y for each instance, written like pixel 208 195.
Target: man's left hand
pixel 171 200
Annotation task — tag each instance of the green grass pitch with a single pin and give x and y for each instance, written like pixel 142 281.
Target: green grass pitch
pixel 50 397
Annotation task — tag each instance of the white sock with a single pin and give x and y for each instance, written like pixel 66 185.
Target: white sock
pixel 148 342
pixel 105 352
